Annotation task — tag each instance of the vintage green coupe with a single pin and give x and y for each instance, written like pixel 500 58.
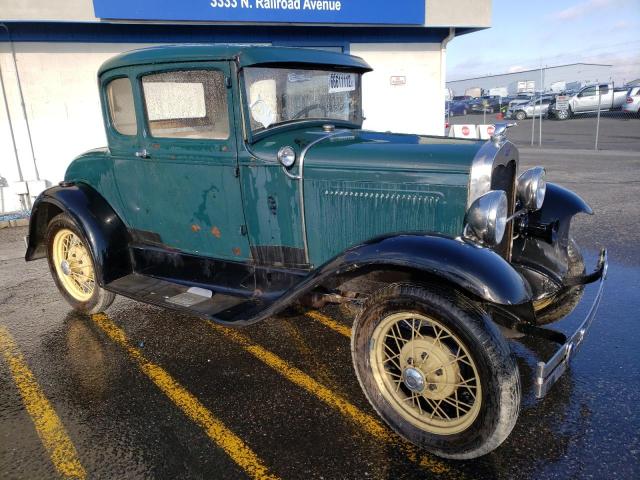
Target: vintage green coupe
pixel 238 181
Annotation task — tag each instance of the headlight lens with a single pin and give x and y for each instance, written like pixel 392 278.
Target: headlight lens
pixel 486 219
pixel 287 156
pixel 532 186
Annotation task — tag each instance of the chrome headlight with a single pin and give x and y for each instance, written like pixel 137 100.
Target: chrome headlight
pixel 486 219
pixel 287 156
pixel 532 186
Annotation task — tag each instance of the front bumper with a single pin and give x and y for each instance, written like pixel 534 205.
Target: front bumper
pixel 547 373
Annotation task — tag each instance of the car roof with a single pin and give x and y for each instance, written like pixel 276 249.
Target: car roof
pixel 244 55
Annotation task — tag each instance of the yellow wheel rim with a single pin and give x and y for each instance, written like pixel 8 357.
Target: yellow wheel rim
pixel 73 265
pixel 426 373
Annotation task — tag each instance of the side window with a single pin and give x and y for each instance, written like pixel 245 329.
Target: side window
pixel 187 104
pixel 121 106
pixel 588 92
pixel 604 89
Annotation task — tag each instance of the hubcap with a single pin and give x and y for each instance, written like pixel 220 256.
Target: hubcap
pixel 66 269
pixel 413 379
pixel 73 265
pixel 425 372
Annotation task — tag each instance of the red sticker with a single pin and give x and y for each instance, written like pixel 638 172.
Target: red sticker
pixel 465 130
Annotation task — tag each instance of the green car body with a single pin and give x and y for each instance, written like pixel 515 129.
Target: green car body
pixel 390 183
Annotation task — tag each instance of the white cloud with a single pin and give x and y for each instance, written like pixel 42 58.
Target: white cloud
pixel 582 9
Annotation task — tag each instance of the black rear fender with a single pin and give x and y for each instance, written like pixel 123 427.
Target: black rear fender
pixel 104 230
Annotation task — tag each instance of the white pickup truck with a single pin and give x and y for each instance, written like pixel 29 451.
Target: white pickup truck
pixel 587 99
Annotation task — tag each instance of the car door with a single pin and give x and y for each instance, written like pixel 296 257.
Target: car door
pixel 586 100
pixel 180 189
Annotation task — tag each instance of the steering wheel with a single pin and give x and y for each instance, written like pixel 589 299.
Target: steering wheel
pixel 309 108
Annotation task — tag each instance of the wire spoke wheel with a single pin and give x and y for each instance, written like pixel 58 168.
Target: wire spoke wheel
pixel 426 373
pixel 73 265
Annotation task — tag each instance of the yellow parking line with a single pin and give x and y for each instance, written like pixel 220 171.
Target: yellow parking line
pixel 189 404
pixel 369 423
pixel 329 322
pixel 52 433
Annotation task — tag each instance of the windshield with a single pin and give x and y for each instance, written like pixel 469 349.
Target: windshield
pixel 279 95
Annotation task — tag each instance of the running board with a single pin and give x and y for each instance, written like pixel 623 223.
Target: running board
pixel 195 300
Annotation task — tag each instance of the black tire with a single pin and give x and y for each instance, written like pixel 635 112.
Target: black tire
pixel 563 114
pixel 562 304
pixel 520 115
pixel 100 298
pixel 497 370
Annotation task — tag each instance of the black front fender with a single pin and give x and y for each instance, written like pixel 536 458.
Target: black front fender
pixel 104 230
pixel 479 271
pixel 546 257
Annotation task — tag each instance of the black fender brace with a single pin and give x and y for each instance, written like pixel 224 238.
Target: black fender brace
pixel 102 227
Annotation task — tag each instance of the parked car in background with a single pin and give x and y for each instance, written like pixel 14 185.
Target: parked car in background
pixel 587 100
pixel 632 103
pixel 534 107
pixel 487 103
pixel 518 99
pixel 456 107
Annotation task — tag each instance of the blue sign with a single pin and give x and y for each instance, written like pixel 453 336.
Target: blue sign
pixel 380 12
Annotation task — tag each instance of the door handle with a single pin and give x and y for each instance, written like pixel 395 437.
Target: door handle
pixel 143 153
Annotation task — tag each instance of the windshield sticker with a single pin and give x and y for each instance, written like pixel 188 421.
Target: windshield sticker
pixel 262 113
pixel 298 77
pixel 342 82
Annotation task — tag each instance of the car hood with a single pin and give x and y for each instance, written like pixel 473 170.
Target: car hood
pixel 362 149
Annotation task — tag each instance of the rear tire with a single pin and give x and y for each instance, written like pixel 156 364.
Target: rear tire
pixel 72 266
pixel 460 396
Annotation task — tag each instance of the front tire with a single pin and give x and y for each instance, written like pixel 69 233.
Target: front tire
pixel 437 370
pixel 72 266
pixel 520 115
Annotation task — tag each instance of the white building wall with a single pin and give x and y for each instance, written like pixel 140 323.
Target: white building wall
pixel 415 107
pixel 59 85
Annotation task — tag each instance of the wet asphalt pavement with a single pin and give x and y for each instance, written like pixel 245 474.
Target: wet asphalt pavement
pixel 126 420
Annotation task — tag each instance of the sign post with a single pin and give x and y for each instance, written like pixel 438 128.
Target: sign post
pixel 598 121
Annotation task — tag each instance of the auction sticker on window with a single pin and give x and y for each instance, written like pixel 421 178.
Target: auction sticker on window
pixel 342 82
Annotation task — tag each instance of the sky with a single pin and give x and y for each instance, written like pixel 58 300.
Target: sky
pixel 526 35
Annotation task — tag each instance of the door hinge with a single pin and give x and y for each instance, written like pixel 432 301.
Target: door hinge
pixel 236 172
pixel 243 230
pixel 227 82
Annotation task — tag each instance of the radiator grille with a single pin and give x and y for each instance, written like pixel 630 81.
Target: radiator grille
pixel 503 177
